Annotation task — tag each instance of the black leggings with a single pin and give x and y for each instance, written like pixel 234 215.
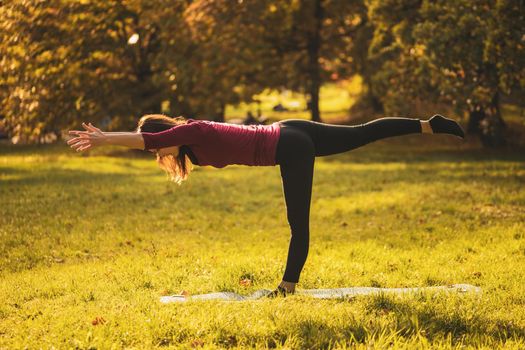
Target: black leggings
pixel 300 142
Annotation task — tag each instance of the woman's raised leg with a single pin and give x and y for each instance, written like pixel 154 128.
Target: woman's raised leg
pixel 332 139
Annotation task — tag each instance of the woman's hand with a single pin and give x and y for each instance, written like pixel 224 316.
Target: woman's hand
pixel 85 140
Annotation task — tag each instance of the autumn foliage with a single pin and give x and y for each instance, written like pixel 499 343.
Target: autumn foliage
pixel 109 62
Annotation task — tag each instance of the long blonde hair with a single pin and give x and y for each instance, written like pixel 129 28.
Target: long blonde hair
pixel 177 167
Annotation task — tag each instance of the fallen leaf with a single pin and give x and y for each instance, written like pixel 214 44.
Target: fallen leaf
pixel 246 282
pixel 98 320
pixel 197 343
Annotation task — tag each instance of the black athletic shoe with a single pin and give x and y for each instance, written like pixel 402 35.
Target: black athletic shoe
pixel 442 125
pixel 279 292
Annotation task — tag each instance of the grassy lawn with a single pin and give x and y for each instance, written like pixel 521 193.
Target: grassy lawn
pixel 88 244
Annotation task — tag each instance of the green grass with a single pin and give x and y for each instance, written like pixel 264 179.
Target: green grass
pixel 88 244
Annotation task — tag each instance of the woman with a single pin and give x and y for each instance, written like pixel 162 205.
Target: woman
pixel 291 144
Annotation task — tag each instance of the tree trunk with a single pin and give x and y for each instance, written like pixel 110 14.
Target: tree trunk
pixel 488 123
pixel 149 95
pixel 368 95
pixel 219 113
pixel 475 117
pixel 314 69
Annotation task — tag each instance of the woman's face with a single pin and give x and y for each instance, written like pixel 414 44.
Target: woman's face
pixel 174 150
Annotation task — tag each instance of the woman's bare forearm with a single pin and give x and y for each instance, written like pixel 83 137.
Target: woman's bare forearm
pixel 94 137
pixel 125 139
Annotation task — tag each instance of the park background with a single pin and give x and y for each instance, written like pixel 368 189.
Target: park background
pixel 89 242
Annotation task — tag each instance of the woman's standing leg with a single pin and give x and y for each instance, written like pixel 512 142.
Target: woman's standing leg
pixel 295 156
pixel 300 142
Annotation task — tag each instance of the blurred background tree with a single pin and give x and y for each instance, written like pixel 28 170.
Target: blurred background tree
pixel 464 53
pixel 291 44
pixel 67 61
pixel 63 61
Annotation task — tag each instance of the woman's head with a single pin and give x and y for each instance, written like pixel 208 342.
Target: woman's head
pixel 177 165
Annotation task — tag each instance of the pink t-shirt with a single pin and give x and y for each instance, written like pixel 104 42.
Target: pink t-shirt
pixel 220 144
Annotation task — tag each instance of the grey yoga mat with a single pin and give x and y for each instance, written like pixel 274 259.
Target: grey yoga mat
pixel 320 293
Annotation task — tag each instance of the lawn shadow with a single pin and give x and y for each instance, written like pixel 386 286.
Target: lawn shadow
pixel 404 325
pixel 431 170
pixel 406 321
pixel 56 177
pixel 62 149
pixel 385 154
pixel 421 318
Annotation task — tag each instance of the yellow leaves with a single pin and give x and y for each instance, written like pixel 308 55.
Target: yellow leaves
pixel 417 50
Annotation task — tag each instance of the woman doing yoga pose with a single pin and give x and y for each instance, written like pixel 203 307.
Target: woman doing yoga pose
pixel 291 144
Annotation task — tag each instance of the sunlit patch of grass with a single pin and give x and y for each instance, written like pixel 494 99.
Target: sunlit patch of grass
pixel 335 102
pixel 89 243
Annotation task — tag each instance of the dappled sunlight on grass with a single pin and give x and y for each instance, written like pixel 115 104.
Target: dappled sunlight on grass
pixel 360 202
pixel 388 166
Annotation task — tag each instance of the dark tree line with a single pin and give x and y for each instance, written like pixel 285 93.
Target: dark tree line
pixel 111 61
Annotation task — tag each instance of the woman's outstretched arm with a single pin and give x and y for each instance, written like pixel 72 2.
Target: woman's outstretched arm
pixel 94 137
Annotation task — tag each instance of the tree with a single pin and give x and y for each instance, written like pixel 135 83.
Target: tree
pixel 225 52
pixel 468 66
pixel 288 44
pixel 317 38
pixel 462 53
pixel 63 61
pixel 33 69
